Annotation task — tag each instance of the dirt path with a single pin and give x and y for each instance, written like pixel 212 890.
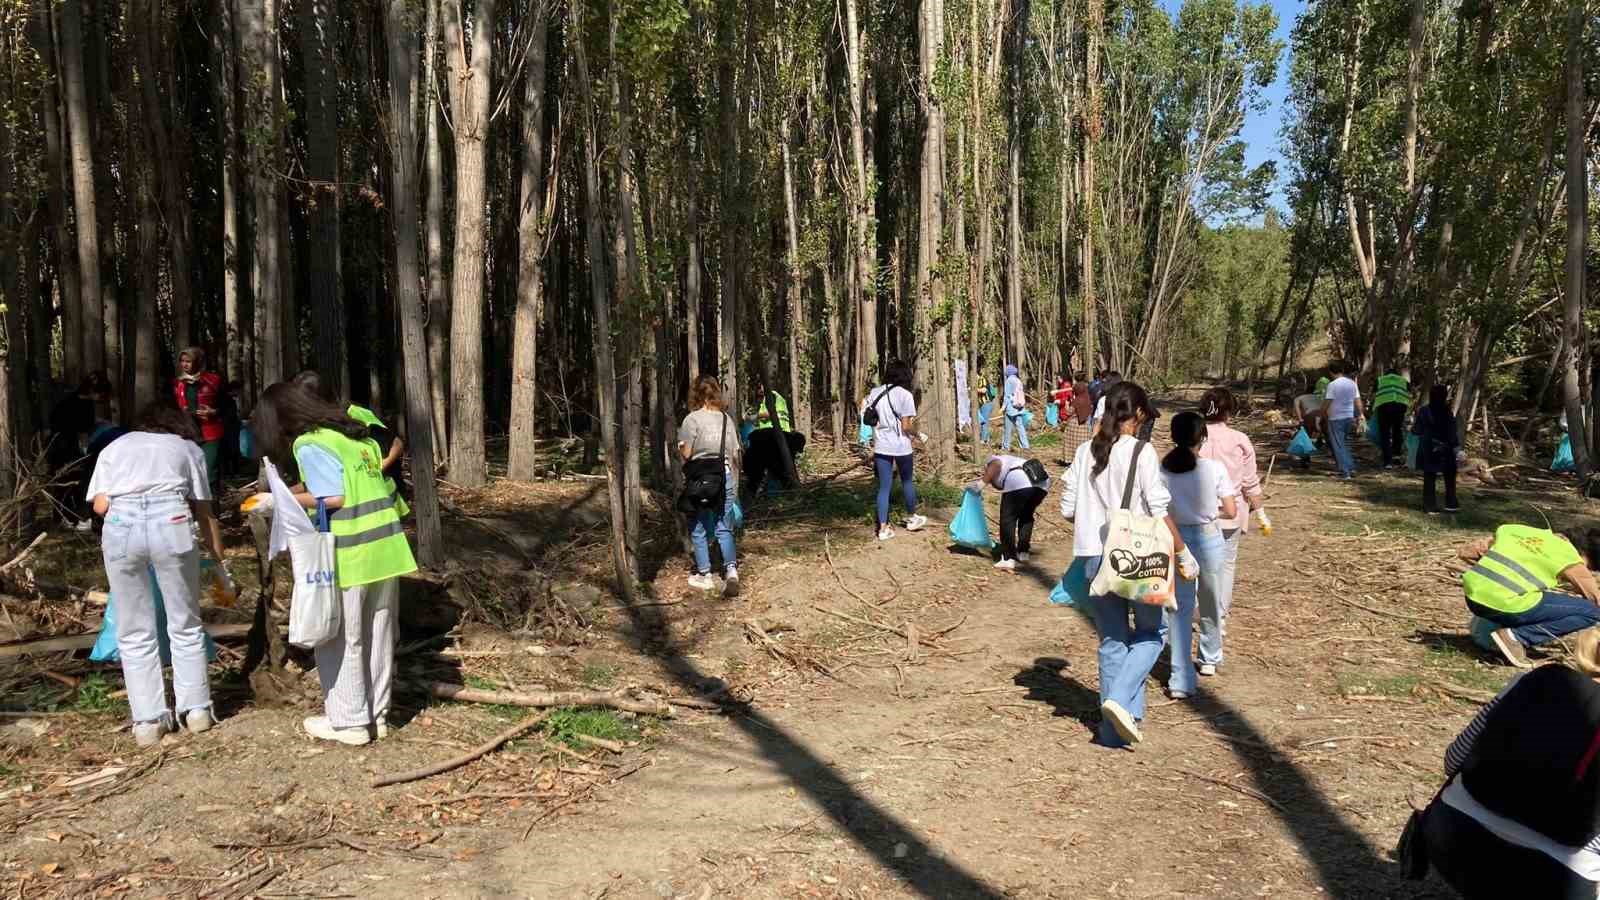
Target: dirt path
pixel 965 772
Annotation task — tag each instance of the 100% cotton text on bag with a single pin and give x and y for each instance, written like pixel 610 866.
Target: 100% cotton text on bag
pixel 1138 557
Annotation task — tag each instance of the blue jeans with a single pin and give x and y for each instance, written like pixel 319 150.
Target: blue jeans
pixel 707 522
pixel 1014 421
pixel 145 534
pixel 1339 440
pixel 886 467
pixel 1558 614
pixel 1126 655
pixel 1207 545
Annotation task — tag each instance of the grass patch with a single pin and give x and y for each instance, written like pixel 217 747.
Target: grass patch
pixel 1465 668
pixel 598 675
pixel 94 696
pixel 1380 685
pixel 498 710
pixel 567 723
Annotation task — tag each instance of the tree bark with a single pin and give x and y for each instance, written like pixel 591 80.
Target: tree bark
pixel 798 337
pixel 1577 233
pixel 938 408
pixel 732 187
pixel 692 266
pixel 225 52
pixel 258 36
pixel 532 222
pixel 317 27
pixel 400 31
pixel 469 75
pixel 1091 148
pixel 863 291
pixel 438 311
pixel 94 325
pixel 56 177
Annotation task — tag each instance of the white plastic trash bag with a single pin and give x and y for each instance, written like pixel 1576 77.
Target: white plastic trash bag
pixel 288 516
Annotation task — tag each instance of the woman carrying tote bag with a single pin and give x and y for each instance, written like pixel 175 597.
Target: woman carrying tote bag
pixel 340 468
pixel 1114 466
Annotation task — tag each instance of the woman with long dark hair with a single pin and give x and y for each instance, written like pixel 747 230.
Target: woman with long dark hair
pixel 1437 446
pixel 896 409
pixel 1202 495
pixel 1095 485
pixel 341 472
pixel 151 486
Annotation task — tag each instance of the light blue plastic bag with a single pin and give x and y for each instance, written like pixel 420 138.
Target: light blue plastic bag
pixel 736 517
pixel 983 419
pixel 970 528
pixel 1302 445
pixel 1052 414
pixel 1563 461
pixel 1413 444
pixel 865 434
pixel 105 646
pixel 1073 588
pixel 1027 418
pixel 1374 436
pixel 744 434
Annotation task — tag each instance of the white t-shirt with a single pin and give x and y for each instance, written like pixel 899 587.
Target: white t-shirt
pixel 1012 478
pixel 1343 393
pixel 1197 494
pixel 895 404
pixel 1089 499
pixel 141 463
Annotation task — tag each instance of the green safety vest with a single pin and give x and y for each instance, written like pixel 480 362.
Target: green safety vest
pixel 369 543
pixel 370 419
pixel 1392 389
pixel 1322 386
pixel 1522 563
pixel 782 407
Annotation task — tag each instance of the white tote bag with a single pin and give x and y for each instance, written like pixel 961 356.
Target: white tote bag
pixel 315 609
pixel 1138 556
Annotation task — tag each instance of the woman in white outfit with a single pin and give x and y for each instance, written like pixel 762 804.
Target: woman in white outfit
pixel 152 487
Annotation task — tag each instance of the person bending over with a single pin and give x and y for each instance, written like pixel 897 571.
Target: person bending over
pixel 1023 485
pixel 764 455
pixel 1513 584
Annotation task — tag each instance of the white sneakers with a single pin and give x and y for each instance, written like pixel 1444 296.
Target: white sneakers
pixel 382 727
pixel 149 734
pixel 1006 565
pixel 198 720
pixel 730 582
pixel 1208 670
pixel 1122 721
pixel 320 728
pixel 702 582
pixel 916 523
pixel 885 532
pixel 1022 557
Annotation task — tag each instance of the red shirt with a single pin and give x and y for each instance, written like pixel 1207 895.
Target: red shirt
pixel 207 385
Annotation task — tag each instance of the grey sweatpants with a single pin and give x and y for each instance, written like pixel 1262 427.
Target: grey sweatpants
pixel 357 668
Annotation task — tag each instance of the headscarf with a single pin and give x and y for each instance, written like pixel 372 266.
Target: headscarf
pixel 1010 371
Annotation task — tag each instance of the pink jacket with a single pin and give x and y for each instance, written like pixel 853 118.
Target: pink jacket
pixel 1234 450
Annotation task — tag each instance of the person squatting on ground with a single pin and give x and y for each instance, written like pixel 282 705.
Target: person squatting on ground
pixel 1233 449
pixel 891 410
pixel 1390 403
pixel 708 444
pixel 1096 482
pixel 1512 585
pixel 1438 450
pixel 340 471
pixel 1341 406
pixel 1519 813
pixel 764 456
pixel 199 393
pixel 1014 406
pixel 1202 495
pixel 149 485
pixel 1023 485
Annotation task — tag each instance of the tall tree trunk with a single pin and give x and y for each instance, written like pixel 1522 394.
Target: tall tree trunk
pixel 692 266
pixel 145 311
pixel 532 222
pixel 1091 147
pixel 225 52
pixel 438 311
pixel 1577 233
pixel 94 324
pixel 170 171
pixel 469 75
pixel 1015 346
pixel 605 361
pixel 56 176
pixel 317 27
pixel 728 332
pixel 863 290
pixel 798 337
pixel 938 408
pixel 400 31
pixel 258 37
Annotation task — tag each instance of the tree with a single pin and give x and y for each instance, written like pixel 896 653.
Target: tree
pixel 317 26
pixel 258 35
pixel 533 225
pixel 86 218
pixel 1577 235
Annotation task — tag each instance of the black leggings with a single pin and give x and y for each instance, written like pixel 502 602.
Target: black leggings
pixel 1392 432
pixel 1016 520
pixel 1478 864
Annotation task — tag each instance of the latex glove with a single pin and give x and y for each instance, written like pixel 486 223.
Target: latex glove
pixel 976 487
pixel 1188 566
pixel 922 436
pixel 257 502
pixel 1266 523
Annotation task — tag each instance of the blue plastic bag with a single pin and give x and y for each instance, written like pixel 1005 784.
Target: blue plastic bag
pixel 247 443
pixel 1073 588
pixel 1563 461
pixel 1027 418
pixel 1302 445
pixel 983 419
pixel 865 434
pixel 1052 414
pixel 744 434
pixel 1413 444
pixel 1374 436
pixel 736 517
pixel 970 527
pixel 105 646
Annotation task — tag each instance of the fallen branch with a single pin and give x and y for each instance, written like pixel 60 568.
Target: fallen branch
pixel 26 552
pixel 612 699
pixel 827 550
pixel 457 762
pixel 924 641
pixel 1248 792
pixel 1461 693
pixel 602 743
pixel 85 641
pixel 551 810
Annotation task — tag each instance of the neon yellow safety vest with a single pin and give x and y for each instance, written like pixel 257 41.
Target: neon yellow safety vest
pixel 783 411
pixel 1522 563
pixel 370 419
pixel 1322 386
pixel 1392 389
pixel 369 544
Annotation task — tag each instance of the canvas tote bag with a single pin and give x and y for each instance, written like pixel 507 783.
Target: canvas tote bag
pixel 316 609
pixel 1137 561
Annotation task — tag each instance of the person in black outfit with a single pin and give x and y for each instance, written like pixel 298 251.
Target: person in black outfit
pixel 764 455
pixel 72 421
pixel 1438 442
pixel 1020 496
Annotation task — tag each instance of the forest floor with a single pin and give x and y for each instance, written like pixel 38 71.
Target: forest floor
pixel 845 760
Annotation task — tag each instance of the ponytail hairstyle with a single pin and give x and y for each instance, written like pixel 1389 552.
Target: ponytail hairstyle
pixel 1125 402
pixel 1216 406
pixel 1188 434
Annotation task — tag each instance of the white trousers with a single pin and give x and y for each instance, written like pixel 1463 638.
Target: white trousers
pixel 145 535
pixel 357 668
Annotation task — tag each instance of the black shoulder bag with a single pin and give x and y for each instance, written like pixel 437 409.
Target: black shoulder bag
pixel 870 416
pixel 705 481
pixel 1035 470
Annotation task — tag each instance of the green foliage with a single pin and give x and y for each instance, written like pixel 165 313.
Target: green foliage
pixel 94 696
pixel 567 723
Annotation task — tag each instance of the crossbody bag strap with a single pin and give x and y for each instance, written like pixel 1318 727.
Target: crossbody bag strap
pixel 722 442
pixel 1133 474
